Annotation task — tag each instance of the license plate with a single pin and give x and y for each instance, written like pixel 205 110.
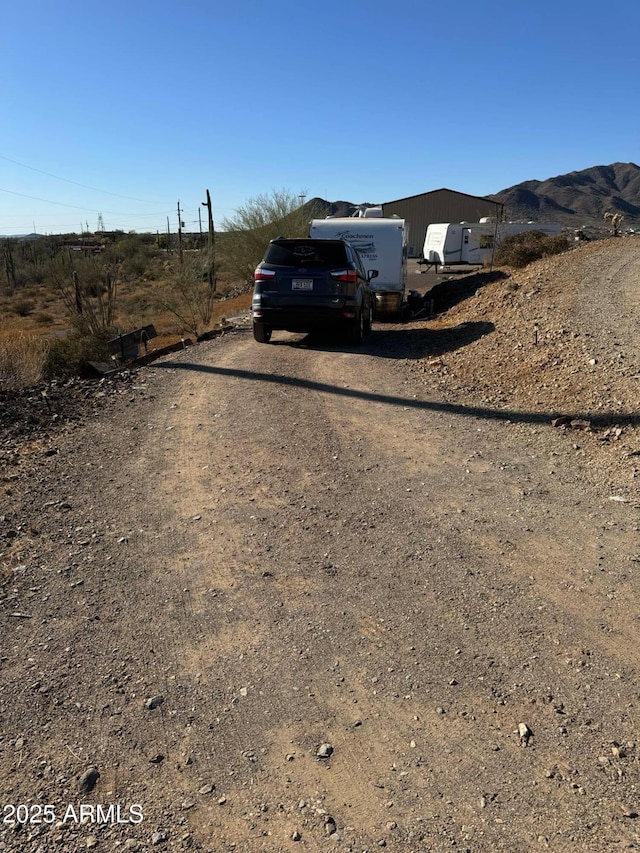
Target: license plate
pixel 302 284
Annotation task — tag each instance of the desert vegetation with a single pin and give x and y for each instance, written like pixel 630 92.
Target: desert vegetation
pixel 69 295
pixel 22 359
pixel 259 220
pixel 519 250
pixel 66 296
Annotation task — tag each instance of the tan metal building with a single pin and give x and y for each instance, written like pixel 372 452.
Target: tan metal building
pixel 439 206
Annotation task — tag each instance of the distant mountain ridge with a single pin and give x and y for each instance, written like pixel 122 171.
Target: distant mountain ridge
pixel 578 197
pixel 318 208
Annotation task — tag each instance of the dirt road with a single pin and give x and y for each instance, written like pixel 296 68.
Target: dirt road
pixel 301 596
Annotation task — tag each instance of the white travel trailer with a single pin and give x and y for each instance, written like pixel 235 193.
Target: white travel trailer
pixel 449 243
pixel 381 243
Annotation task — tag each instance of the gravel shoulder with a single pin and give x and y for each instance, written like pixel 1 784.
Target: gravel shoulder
pixel 377 598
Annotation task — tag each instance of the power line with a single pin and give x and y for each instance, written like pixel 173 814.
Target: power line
pixel 77 207
pixel 75 183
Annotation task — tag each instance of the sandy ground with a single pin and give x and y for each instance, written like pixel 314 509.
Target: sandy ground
pixel 307 596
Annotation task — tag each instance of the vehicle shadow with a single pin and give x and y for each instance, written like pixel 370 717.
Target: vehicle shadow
pixel 452 291
pixel 389 340
pixel 396 343
pixel 602 419
pixel 412 343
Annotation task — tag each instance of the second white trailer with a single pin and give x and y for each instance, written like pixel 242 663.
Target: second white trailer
pixel 450 243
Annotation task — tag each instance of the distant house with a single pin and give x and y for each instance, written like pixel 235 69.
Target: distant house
pixel 439 206
pixel 87 244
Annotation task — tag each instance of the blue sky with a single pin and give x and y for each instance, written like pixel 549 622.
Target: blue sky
pixel 125 108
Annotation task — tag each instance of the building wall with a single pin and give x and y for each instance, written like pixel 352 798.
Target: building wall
pixel 438 206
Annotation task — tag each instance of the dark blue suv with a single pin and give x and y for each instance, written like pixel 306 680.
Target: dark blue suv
pixel 305 284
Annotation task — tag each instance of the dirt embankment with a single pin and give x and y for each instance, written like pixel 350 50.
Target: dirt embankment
pixel 302 596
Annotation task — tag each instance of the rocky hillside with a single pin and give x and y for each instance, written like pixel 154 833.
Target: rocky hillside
pixel 318 208
pixel 579 197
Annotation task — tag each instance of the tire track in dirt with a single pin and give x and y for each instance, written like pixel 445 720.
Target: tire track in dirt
pixel 310 555
pixel 541 560
pixel 346 784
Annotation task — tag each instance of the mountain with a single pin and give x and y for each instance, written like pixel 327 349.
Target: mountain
pixel 32 236
pixel 577 198
pixel 318 208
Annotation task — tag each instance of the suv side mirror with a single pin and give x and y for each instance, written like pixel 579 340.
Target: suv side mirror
pixel 372 274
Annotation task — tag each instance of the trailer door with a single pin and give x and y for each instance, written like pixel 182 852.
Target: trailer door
pixel 477 245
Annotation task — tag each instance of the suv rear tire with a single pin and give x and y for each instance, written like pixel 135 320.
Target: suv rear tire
pixel 261 333
pixel 357 328
pixel 368 319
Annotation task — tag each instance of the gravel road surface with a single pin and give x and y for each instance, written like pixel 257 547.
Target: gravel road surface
pixel 310 596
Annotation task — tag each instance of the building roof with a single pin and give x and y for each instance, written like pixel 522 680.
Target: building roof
pixel 445 190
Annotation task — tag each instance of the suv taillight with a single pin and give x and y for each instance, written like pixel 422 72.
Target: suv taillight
pixel 263 274
pixel 345 275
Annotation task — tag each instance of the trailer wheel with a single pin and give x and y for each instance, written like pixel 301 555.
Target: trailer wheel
pixel 405 313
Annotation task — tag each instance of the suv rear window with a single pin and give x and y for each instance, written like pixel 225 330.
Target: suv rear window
pixel 322 253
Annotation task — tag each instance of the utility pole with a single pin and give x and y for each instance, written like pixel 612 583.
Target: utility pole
pixel 179 233
pixel 211 246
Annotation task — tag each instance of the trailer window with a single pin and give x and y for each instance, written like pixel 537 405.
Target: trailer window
pixel 486 241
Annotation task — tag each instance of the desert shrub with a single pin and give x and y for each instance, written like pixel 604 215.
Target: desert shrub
pixel 255 223
pixel 70 356
pixel 138 308
pixel 23 307
pixel 133 254
pixel 37 274
pixel 136 265
pixel 87 290
pixel 22 360
pixel 21 278
pixel 189 294
pixel 43 318
pixel 518 250
pixel 18 269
